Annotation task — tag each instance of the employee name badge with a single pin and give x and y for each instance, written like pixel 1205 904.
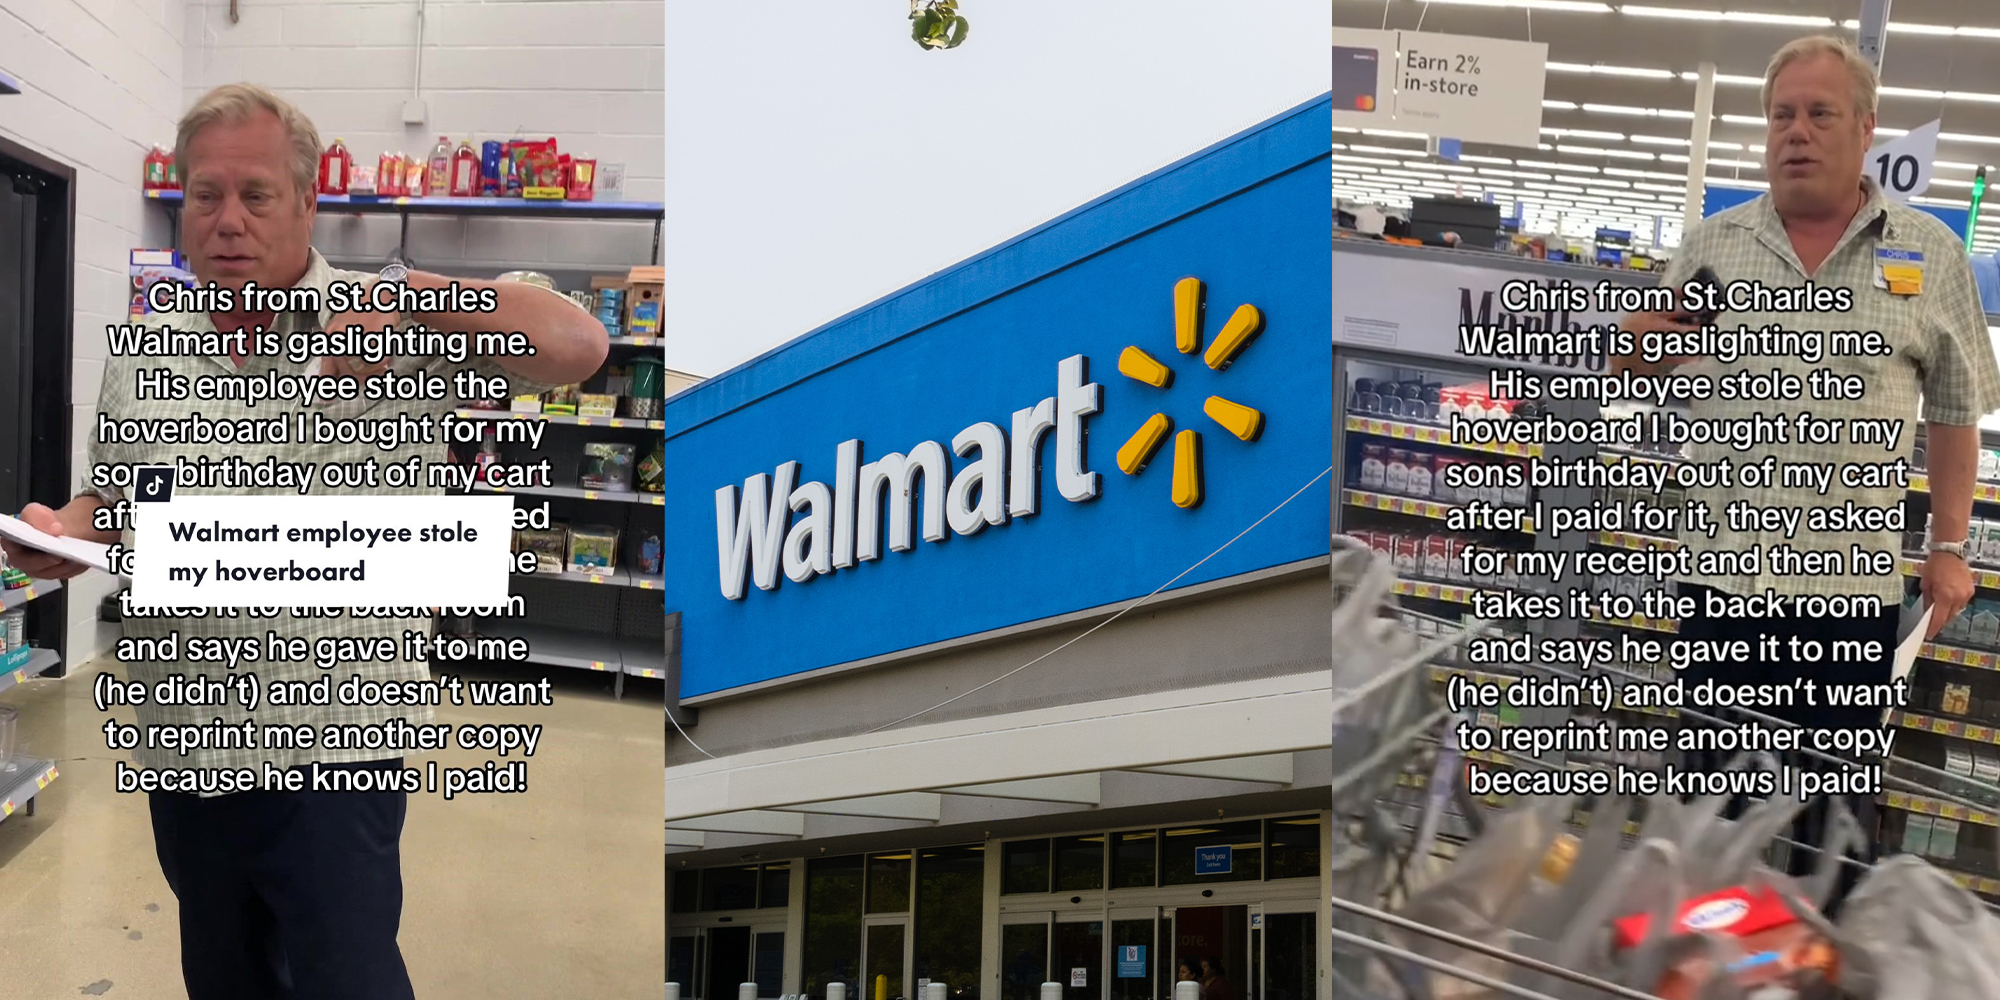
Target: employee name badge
pixel 1900 270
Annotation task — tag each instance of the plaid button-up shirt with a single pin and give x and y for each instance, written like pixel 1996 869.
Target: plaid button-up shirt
pixel 118 400
pixel 1941 370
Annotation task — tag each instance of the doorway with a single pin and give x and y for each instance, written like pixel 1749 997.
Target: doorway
pixel 885 959
pixel 728 961
pixel 1213 943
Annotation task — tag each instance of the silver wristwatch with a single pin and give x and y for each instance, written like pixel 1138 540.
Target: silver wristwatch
pixel 1950 548
pixel 396 273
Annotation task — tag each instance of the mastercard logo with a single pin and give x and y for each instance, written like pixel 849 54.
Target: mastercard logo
pixel 1366 102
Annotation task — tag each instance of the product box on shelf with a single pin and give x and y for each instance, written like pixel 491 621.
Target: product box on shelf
pixel 550 546
pixel 644 286
pixel 150 267
pixel 593 548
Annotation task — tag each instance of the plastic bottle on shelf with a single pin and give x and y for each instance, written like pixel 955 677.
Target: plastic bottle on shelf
pixel 173 172
pixel 334 166
pixel 156 169
pixel 437 179
pixel 465 171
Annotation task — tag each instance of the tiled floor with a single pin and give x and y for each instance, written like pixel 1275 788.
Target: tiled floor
pixel 554 893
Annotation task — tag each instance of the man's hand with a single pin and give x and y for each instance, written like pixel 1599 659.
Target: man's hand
pixel 35 562
pixel 1947 586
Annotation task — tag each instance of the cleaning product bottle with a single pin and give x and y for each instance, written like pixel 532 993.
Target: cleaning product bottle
pixel 437 181
pixel 465 171
pixel 156 169
pixel 334 167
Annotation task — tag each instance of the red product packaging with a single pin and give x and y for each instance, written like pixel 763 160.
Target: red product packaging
pixel 389 176
pixel 334 167
pixel 1409 554
pixel 156 169
pixel 582 178
pixel 1776 947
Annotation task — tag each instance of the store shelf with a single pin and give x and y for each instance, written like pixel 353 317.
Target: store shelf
pixel 1435 591
pixel 1425 434
pixel 644 657
pixel 10 599
pixel 557 647
pixel 575 493
pixel 1957 728
pixel 1959 656
pixel 1640 622
pixel 1984 492
pixel 1926 806
pixel 1973 883
pixel 1394 504
pixel 19 786
pixel 1983 578
pixel 634 422
pixel 637 341
pixel 491 207
pixel 618 577
pixel 40 662
pixel 1627 540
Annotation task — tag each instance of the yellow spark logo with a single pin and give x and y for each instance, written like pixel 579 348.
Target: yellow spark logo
pixel 1243 421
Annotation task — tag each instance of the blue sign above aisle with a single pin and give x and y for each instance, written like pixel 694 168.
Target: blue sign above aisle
pixel 1715 198
pixel 1065 422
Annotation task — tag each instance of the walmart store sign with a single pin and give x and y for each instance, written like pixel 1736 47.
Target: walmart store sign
pixel 810 529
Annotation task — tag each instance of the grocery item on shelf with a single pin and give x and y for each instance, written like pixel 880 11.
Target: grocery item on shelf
pixel 550 546
pixel 155 176
pixel 607 465
pixel 648 387
pixel 464 171
pixel 653 469
pixel 611 181
pixel 149 267
pixel 490 182
pixel 593 548
pixel 596 404
pixel 526 404
pixel 365 183
pixel 651 553
pixel 582 178
pixel 334 167
pixel 561 400
pixel 389 178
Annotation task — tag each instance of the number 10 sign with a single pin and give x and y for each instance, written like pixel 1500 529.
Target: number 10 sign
pixel 1903 165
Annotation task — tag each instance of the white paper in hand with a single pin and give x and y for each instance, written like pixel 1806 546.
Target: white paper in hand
pixel 1907 649
pixel 77 550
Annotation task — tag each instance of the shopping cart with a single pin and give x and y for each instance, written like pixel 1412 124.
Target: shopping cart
pixel 1416 876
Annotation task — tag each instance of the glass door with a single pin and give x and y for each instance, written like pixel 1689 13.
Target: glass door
pixel 1136 936
pixel 885 959
pixel 681 952
pixel 767 960
pixel 728 961
pixel 1291 956
pixel 1024 955
pixel 1077 960
pixel 1213 944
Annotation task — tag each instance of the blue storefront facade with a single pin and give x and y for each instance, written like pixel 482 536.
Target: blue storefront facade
pixel 903 559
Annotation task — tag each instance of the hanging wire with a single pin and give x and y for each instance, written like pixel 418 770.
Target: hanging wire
pixel 685 736
pixel 1420 15
pixel 1122 612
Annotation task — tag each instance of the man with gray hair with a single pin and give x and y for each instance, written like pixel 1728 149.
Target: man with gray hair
pixel 287 893
pixel 1876 265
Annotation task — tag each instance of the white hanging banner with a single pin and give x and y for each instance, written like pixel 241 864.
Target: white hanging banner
pixel 1458 87
pixel 1902 165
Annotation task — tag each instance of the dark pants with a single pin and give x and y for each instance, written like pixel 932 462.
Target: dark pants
pixel 1811 827
pixel 287 895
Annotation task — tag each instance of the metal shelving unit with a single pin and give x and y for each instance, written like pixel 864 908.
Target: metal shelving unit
pixel 577 493
pixel 41 661
pixel 11 599
pixel 19 786
pixel 518 208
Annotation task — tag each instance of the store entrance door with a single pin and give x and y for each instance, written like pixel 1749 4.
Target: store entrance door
pixel 1076 959
pixel 728 961
pixel 1213 944
pixel 885 959
pixel 1139 937
pixel 1288 957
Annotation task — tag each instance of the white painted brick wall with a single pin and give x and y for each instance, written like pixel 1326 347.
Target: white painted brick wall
pixel 587 73
pixel 101 83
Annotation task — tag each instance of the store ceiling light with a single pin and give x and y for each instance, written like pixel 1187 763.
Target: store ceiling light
pixel 1730 79
pixel 1469 158
pixel 1960 137
pixel 1935 95
pixel 1585 133
pixel 1571 6
pixel 1603 70
pixel 1974 96
pixel 1908 28
pixel 1381 150
pixel 1621 154
pixel 1757 120
pixel 1388 134
pixel 1742 16
pixel 1558 105
pixel 1343 158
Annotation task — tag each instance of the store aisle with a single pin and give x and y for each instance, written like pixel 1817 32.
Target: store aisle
pixel 556 892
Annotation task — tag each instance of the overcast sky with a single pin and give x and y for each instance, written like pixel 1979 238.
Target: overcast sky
pixel 809 141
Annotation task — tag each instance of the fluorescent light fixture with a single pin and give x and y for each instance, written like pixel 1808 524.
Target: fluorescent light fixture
pixel 1907 28
pixel 1603 70
pixel 1757 120
pixel 1935 95
pixel 1964 137
pixel 1543 146
pixel 1944 182
pixel 1622 154
pixel 1469 158
pixel 1954 164
pixel 1350 131
pixel 1387 134
pixel 1661 188
pixel 1967 95
pixel 1727 79
pixel 1559 105
pixel 1584 133
pixel 1545 186
pixel 1339 158
pixel 1660 140
pixel 1618 109
pixel 1384 150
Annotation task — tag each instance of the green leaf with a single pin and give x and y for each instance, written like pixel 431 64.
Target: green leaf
pixel 920 26
pixel 958 30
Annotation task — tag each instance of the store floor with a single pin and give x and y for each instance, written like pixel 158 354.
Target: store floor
pixel 557 892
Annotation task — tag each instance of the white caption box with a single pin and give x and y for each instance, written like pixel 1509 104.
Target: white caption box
pixel 181 559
